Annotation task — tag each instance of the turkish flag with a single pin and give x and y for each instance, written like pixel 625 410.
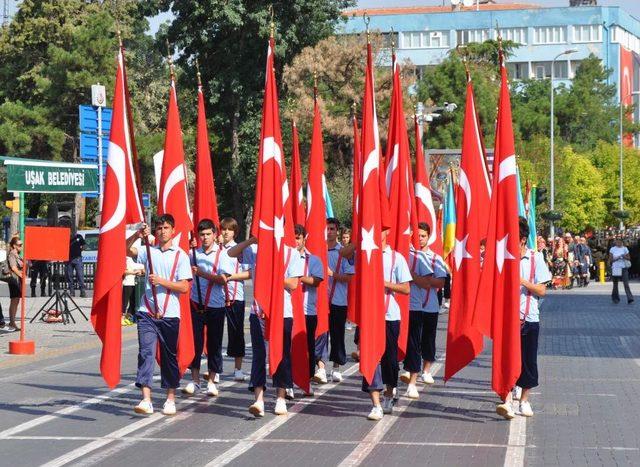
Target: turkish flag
pixel 369 271
pixel 295 185
pixel 353 311
pixel 173 199
pixel 423 199
pixel 496 312
pixel 205 203
pixel 464 342
pixel 121 204
pixel 268 218
pixel 398 186
pixel 317 215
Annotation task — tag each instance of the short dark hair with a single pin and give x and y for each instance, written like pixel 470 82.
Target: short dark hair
pixel 334 221
pixel 165 219
pixel 424 226
pixel 231 224
pixel 299 230
pixel 207 224
pixel 524 227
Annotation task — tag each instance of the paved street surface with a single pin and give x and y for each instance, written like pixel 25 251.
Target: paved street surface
pixel 55 409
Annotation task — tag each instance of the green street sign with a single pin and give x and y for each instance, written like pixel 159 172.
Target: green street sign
pixel 35 176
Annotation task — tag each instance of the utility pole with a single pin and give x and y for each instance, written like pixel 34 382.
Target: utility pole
pixel 5 13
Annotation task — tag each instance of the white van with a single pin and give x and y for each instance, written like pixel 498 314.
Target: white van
pixel 90 251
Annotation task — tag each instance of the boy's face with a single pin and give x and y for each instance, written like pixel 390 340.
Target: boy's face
pixel 300 242
pixel 332 232
pixel 206 237
pixel 164 232
pixel 423 237
pixel 227 234
pixel 346 238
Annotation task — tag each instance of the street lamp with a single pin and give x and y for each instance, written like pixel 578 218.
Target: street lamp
pixel 552 192
pixel 621 202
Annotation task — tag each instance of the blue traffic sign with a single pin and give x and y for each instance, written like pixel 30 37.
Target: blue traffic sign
pixel 89 119
pixel 146 200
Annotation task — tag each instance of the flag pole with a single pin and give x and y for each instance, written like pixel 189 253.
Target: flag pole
pixel 193 233
pixel 136 167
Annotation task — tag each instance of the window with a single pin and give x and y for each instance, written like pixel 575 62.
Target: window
pixel 466 36
pixel 587 33
pixel 426 40
pixel 518 70
pixel 550 35
pixel 625 38
pixel 517 35
pixel 542 70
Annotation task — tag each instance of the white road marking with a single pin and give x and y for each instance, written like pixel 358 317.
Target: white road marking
pixel 257 436
pixel 517 441
pixel 374 437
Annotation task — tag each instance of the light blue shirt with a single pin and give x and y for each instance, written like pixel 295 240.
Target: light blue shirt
pixel 341 290
pixel 295 268
pixel 419 266
pixel 312 268
pixel 163 265
pixel 396 271
pixel 212 263
pixel 235 289
pixel 541 274
pixel 436 264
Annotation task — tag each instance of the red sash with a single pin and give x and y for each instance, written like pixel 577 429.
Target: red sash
pixel 532 275
pixel 166 297
pixel 333 282
pixel 388 293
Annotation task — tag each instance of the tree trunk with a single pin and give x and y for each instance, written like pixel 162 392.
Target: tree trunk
pixel 236 188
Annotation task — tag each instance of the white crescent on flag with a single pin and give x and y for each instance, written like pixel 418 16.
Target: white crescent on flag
pixel 271 150
pixel 507 168
pixel 176 176
pixel 463 181
pixel 116 162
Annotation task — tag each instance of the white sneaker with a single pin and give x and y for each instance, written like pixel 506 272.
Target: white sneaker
pixel 144 407
pixel 525 409
pixel 412 392
pixel 387 405
pixel 212 390
pixel 169 407
pixel 517 393
pixel 281 407
pixel 320 376
pixel 427 378
pixel 376 413
pixel 216 378
pixel 289 394
pixel 191 388
pixel 336 376
pixel 505 410
pixel 405 377
pixel 349 326
pixel 257 409
pixel 238 375
pixel 395 395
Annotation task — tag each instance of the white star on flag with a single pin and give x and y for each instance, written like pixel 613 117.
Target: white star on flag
pixel 278 229
pixel 461 252
pixel 368 242
pixel 502 252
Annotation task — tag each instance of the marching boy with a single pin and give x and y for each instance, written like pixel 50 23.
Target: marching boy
pixel 158 324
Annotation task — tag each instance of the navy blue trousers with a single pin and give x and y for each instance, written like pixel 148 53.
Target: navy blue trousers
pixel 529 349
pixel 337 321
pixel 387 370
pixel 312 324
pixel 213 319
pixel 421 344
pixel 322 347
pixel 235 329
pixel 152 333
pixel 282 378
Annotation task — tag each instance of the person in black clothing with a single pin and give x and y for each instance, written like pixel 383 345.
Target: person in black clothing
pixel 39 268
pixel 76 244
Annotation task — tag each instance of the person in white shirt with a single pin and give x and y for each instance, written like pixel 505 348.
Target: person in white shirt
pixel 132 271
pixel 620 262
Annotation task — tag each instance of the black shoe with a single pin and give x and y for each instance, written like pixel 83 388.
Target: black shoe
pixel 83 294
pixel 33 293
pixel 630 301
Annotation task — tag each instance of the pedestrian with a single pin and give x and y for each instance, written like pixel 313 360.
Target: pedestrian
pixel 234 297
pixel 345 236
pixel 340 272
pixel 132 271
pixel 560 265
pixel 159 322
pixel 16 266
pixel 76 245
pixel 428 276
pixel 312 276
pixel 620 262
pixel 397 278
pixel 584 259
pixel 39 269
pixel 282 377
pixel 534 276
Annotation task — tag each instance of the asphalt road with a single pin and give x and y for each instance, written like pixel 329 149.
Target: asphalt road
pixel 55 409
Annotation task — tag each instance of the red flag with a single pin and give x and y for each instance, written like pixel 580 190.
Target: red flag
pixel 205 203
pixel 295 185
pixel 173 200
pixel 398 178
pixel 268 218
pixel 497 306
pixel 369 272
pixel 353 312
pixel 473 196
pixel 423 199
pixel 120 205
pixel 317 215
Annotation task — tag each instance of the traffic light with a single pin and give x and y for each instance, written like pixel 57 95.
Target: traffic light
pixel 13 204
pixel 541 195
